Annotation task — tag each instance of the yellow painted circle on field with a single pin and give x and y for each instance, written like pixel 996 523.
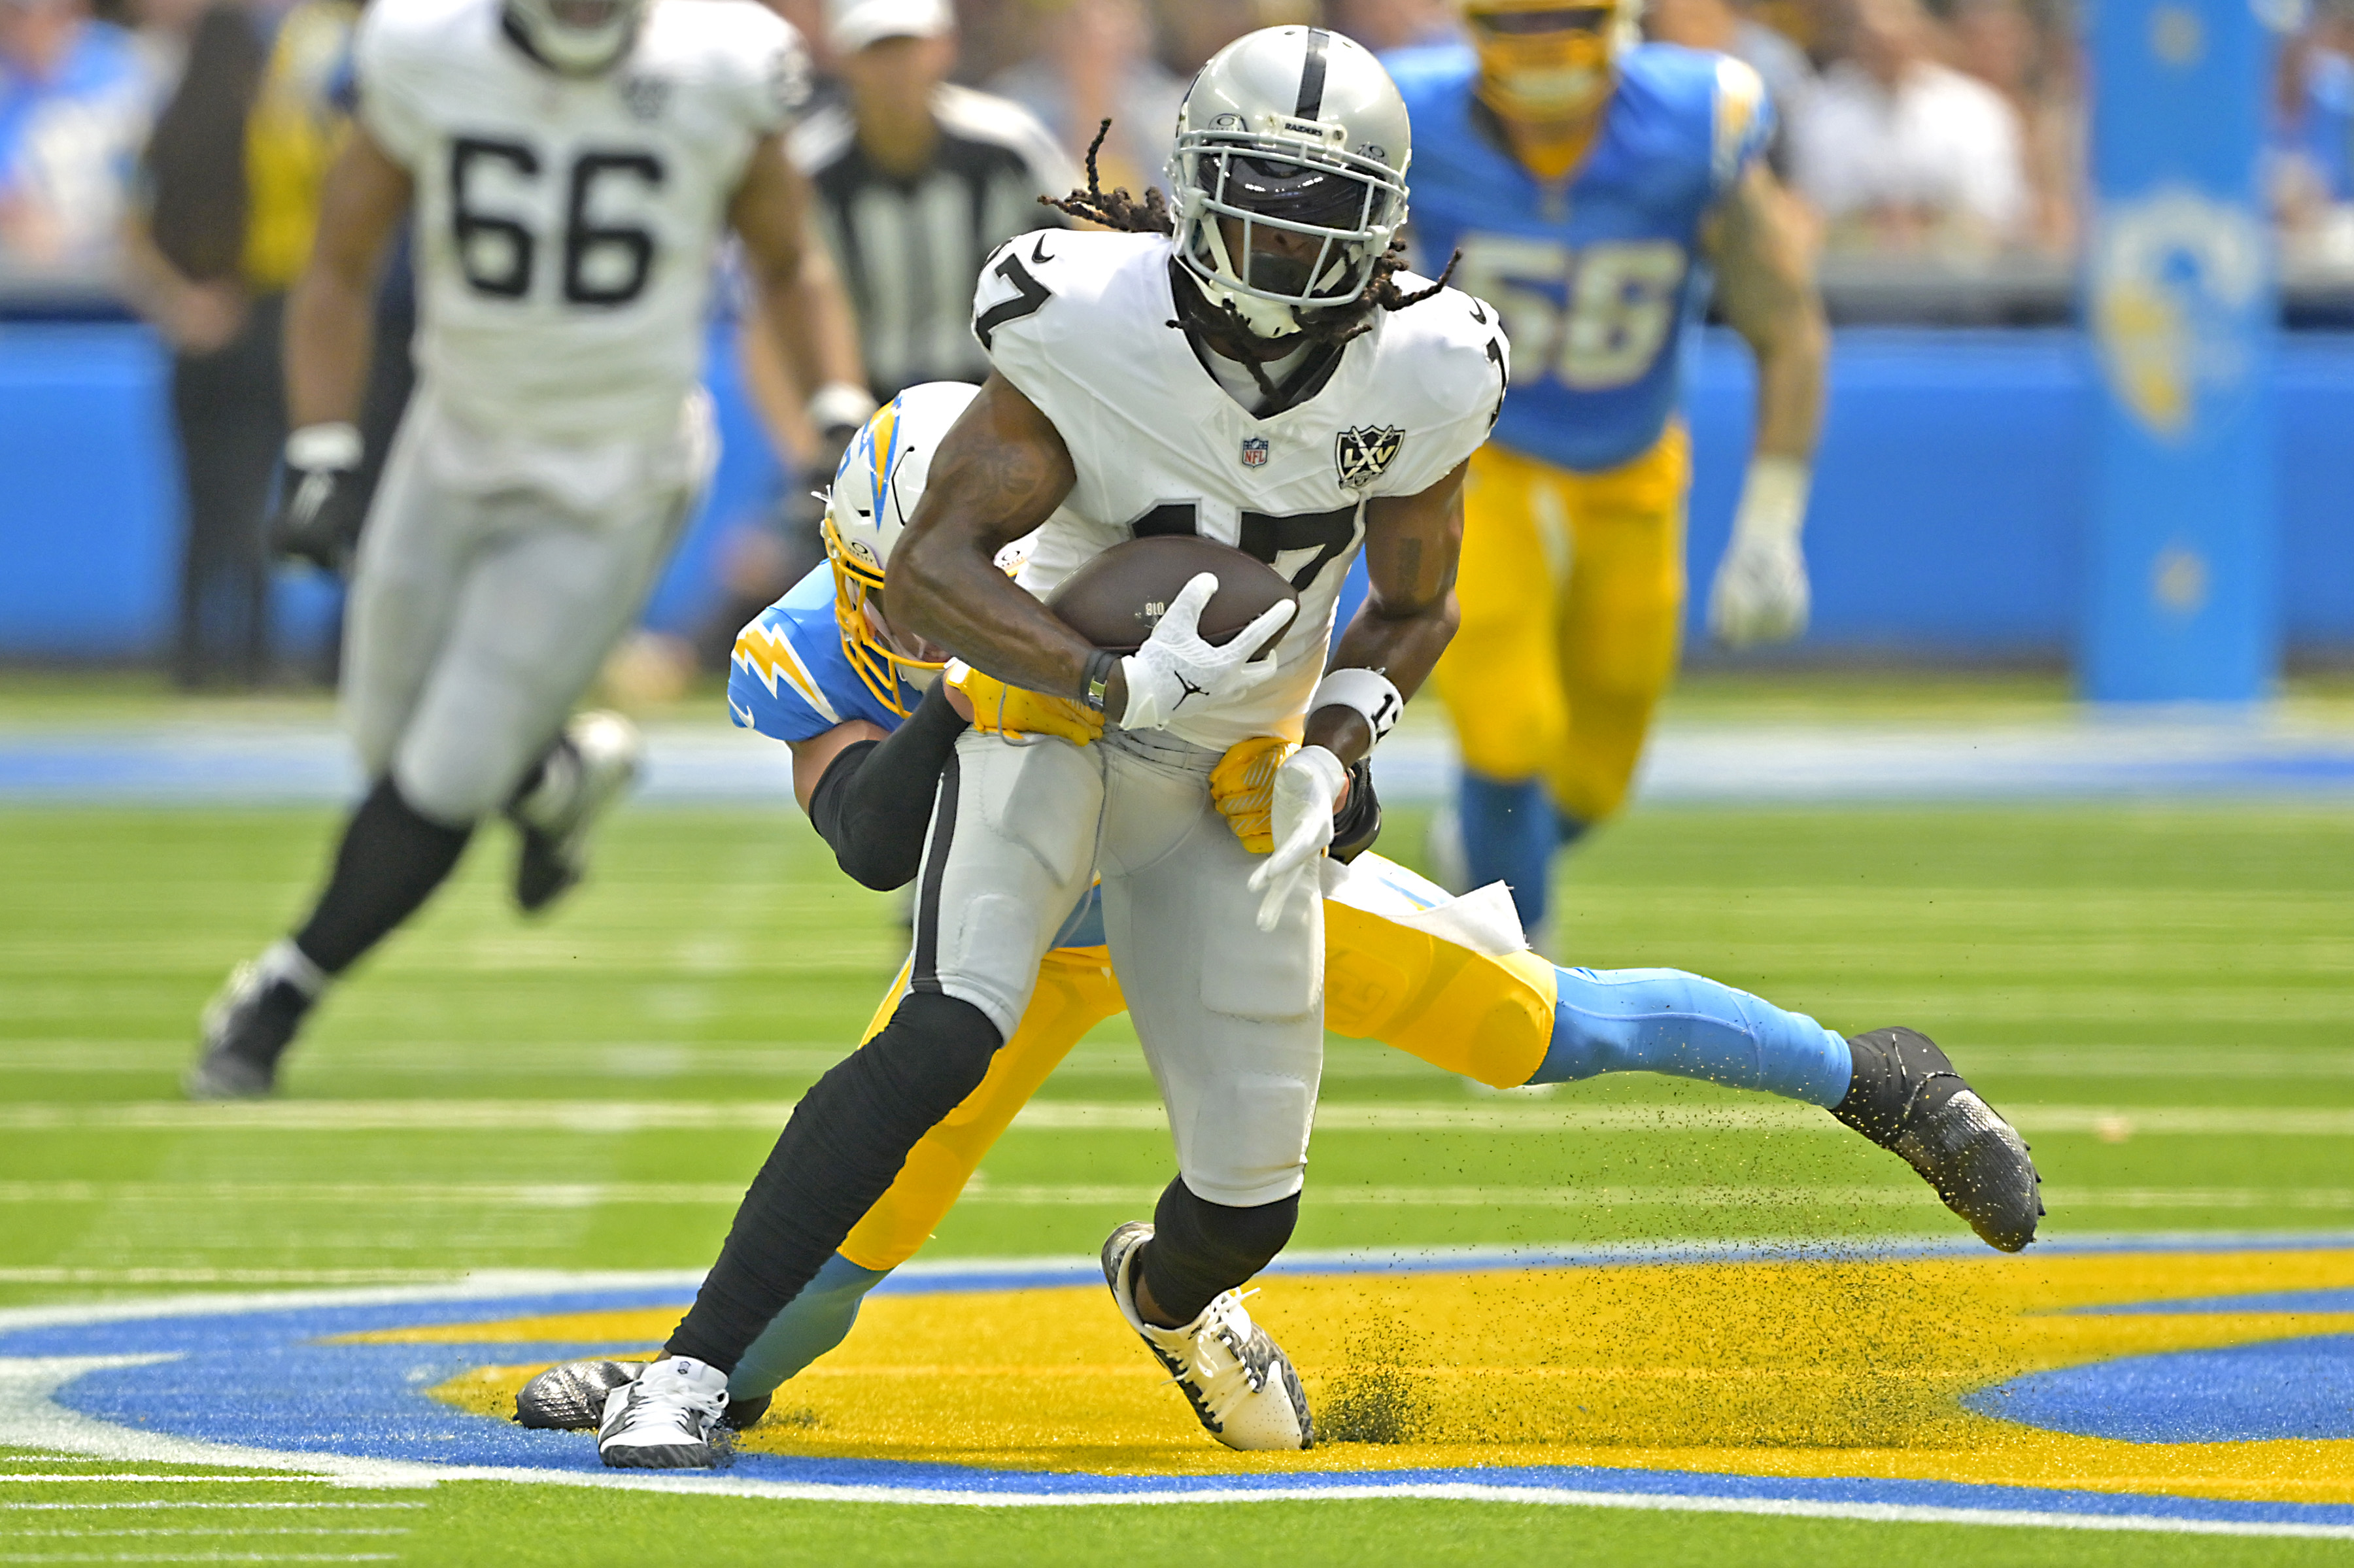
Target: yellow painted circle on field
pixel 1798 1367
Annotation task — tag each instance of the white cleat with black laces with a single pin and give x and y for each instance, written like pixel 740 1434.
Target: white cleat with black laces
pixel 666 1419
pixel 1241 1383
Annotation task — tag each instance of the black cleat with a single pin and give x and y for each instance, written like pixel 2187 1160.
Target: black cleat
pixel 743 1414
pixel 1905 1096
pixel 246 1029
pixel 571 1397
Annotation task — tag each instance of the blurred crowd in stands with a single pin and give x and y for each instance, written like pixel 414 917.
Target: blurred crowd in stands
pixel 167 154
pixel 1948 127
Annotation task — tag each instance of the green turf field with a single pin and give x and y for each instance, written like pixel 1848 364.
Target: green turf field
pixel 2161 995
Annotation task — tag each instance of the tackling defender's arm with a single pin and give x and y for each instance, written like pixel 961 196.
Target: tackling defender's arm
pixel 1412 544
pixel 1766 286
pixel 798 294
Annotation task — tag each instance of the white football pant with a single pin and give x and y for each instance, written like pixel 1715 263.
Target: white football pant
pixel 1231 1017
pixel 478 619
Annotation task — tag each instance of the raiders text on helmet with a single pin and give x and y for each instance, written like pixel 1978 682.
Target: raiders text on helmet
pixel 1550 59
pixel 578 37
pixel 1297 131
pixel 874 494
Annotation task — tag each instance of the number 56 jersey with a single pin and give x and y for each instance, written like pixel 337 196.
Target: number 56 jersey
pixel 1082 324
pixel 1597 279
pixel 567 227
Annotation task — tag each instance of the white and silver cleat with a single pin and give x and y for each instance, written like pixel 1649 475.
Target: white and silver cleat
pixel 586 770
pixel 666 1419
pixel 1241 1383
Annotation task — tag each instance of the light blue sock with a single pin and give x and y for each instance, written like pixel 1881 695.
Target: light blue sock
pixel 1508 837
pixel 1665 1020
pixel 811 1325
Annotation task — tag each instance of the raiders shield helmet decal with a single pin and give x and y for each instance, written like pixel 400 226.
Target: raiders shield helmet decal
pixel 1360 455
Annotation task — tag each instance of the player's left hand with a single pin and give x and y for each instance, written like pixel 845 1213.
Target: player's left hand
pixel 319 511
pixel 1760 594
pixel 1306 791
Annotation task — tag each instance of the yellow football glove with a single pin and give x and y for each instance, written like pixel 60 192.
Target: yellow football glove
pixel 1243 784
pixel 998 708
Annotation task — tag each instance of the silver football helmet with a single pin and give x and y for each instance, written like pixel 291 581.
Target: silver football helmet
pixel 580 38
pixel 1299 131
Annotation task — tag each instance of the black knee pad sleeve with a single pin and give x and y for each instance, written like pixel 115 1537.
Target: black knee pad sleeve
pixel 841 1151
pixel 1200 1248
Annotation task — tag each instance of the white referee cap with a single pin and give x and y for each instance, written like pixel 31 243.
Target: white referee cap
pixel 852 24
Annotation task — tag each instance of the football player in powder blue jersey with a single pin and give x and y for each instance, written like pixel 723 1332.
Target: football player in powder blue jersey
pixel 1597 187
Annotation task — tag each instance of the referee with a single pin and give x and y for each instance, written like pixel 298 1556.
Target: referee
pixel 918 181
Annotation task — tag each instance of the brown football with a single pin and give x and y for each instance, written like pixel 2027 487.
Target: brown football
pixel 1116 599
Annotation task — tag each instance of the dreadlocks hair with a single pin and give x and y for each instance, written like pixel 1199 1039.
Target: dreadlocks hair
pixel 1116 209
pixel 1329 326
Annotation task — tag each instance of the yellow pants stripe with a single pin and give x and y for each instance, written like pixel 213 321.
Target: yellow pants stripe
pixel 1572 592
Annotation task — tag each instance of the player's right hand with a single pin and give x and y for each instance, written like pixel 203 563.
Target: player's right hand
pixel 319 510
pixel 1175 666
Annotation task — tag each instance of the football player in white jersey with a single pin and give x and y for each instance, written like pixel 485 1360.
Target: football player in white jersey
pixel 572 167
pixel 1260 377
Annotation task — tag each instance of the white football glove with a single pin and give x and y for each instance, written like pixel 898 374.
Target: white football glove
pixel 1307 790
pixel 1761 594
pixel 1175 665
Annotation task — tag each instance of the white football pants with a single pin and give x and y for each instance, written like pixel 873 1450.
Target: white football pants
pixel 1231 1017
pixel 477 621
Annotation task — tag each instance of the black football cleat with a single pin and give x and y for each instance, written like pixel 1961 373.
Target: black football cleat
pixel 570 1397
pixel 1906 1097
pixel 246 1029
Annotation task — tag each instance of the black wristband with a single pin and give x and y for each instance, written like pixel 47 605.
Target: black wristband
pixel 1094 678
pixel 1358 822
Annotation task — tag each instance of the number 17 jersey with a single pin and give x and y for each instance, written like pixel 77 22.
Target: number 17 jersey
pixel 1084 326
pixel 567 227
pixel 1597 278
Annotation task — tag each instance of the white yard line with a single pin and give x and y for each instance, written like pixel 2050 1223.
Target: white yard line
pixel 173 1480
pixel 176 1506
pixel 212 1530
pixel 199 1557
pixel 591 1195
pixel 1502 1115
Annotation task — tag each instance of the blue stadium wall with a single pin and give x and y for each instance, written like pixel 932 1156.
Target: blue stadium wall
pixel 1948 512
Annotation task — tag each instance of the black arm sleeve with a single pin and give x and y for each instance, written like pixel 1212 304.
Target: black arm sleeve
pixel 876 798
pixel 1358 822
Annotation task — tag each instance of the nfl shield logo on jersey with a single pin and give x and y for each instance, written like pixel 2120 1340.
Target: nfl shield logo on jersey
pixel 647 97
pixel 1254 451
pixel 1360 455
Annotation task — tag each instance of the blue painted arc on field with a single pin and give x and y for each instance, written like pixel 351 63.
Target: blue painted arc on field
pixel 2300 1388
pixel 262 1376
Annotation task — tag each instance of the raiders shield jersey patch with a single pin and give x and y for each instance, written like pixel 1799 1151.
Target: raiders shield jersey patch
pixel 1360 455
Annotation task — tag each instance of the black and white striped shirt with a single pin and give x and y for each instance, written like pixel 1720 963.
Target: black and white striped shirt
pixel 910 249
